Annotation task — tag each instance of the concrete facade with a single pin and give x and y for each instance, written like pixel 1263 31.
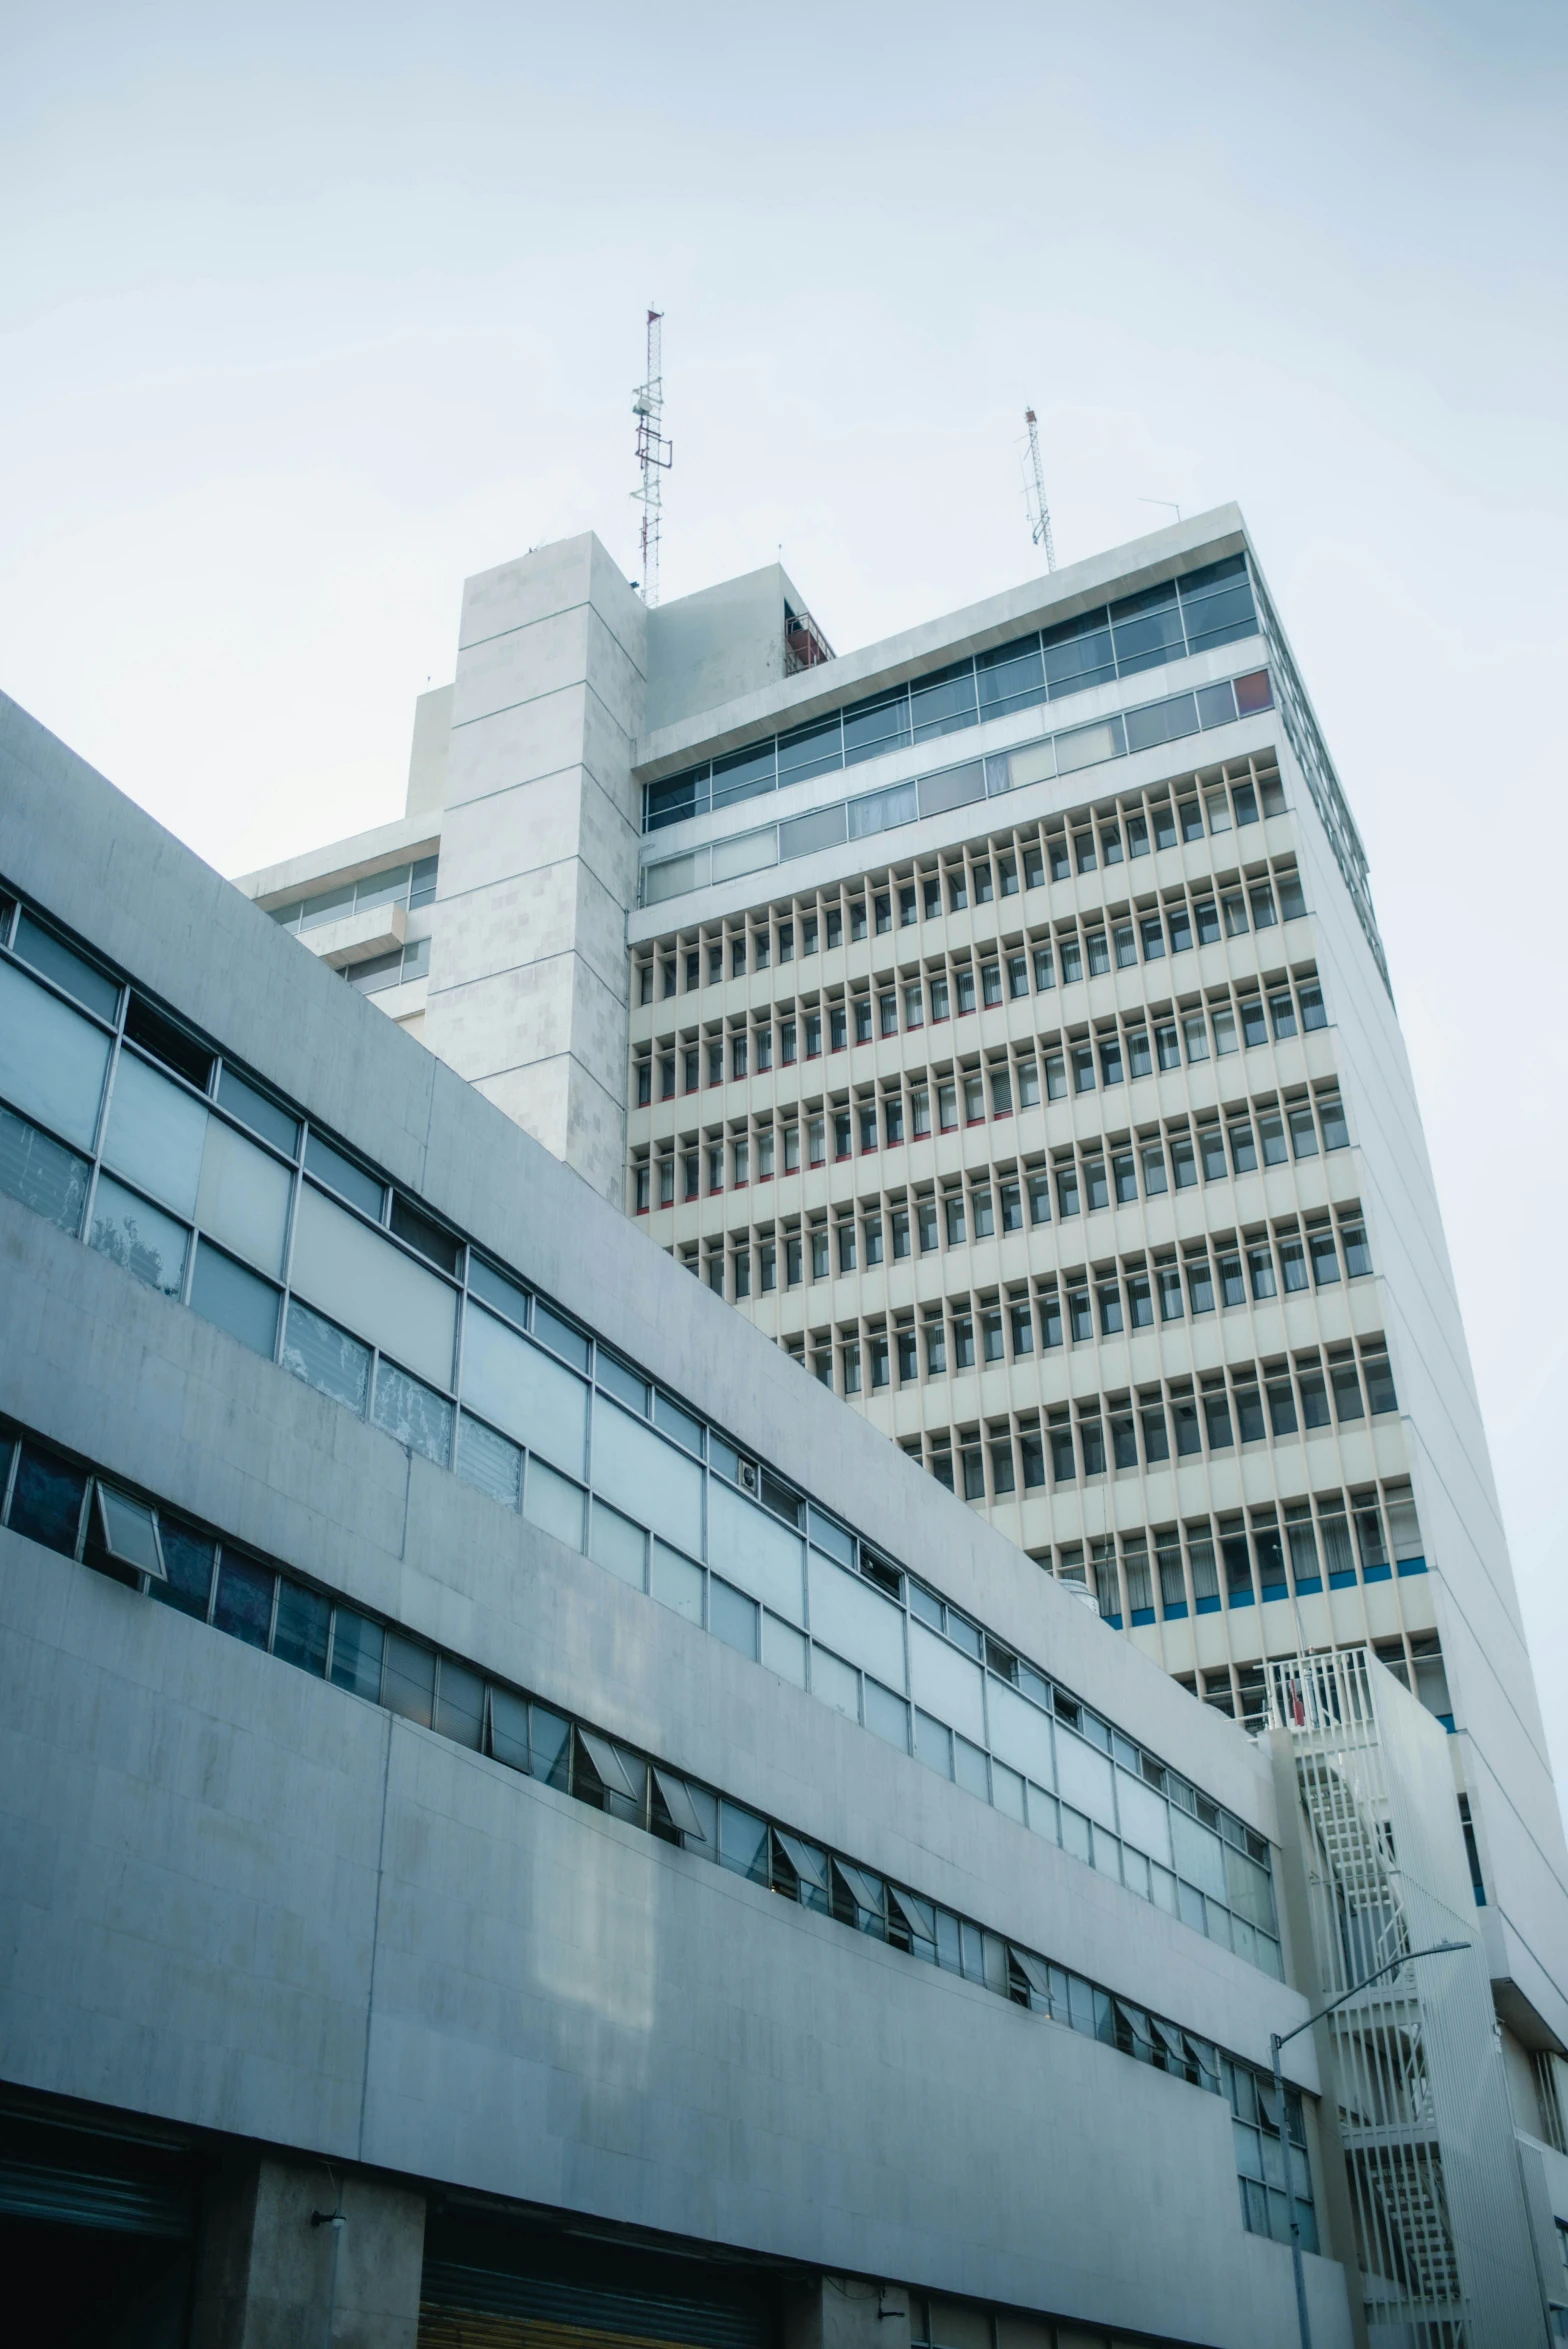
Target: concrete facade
pixel 252 1904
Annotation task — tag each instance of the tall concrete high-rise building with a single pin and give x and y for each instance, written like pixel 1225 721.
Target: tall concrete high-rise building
pixel 533 1818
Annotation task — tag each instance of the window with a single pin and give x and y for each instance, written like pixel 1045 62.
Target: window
pixel 1282 1405
pixel 955 1219
pixel 1314 1397
pixel 1325 1258
pixel 1303 1133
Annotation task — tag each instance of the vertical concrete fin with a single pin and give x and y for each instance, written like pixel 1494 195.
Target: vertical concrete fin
pixel 528 992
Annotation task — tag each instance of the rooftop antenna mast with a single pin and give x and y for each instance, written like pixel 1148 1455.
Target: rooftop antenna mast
pixel 1034 494
pixel 654 454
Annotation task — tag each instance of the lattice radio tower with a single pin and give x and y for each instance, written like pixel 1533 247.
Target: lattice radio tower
pixel 1034 494
pixel 654 454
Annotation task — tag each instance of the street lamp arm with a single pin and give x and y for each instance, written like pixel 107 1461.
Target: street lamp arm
pixel 1438 1949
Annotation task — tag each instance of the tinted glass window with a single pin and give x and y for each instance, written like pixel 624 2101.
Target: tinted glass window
pixel 47 1502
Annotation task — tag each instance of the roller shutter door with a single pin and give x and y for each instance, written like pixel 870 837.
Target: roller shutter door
pixel 468 2307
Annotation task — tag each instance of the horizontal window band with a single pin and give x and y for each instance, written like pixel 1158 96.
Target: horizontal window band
pixel 458 1700
pixel 1189 615
pixel 1119 736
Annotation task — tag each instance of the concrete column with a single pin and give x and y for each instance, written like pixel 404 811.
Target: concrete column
pixel 529 975
pixel 846 2312
pixel 268 2279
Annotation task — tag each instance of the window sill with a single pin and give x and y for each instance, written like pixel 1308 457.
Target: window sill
pixel 1341 1582
pixel 1273 1591
pixel 1141 1616
pixel 1412 1566
pixel 1207 1606
pixel 1241 1598
pixel 1378 1574
pixel 1178 1613
pixel 1313 1582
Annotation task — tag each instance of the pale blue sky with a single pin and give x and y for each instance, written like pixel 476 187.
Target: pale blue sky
pixel 305 313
